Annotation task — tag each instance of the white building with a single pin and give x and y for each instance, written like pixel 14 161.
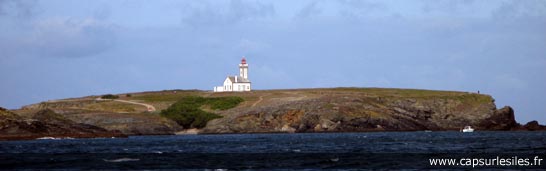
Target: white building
pixel 236 83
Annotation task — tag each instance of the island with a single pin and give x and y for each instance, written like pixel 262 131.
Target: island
pixel 344 109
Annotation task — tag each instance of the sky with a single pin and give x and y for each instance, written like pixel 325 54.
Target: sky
pixel 54 49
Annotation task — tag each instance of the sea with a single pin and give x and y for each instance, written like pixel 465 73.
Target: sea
pixel 298 151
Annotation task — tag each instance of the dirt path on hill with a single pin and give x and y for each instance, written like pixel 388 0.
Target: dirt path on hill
pixel 255 103
pixel 150 108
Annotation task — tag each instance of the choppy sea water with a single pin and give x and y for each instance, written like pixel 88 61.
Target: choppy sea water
pixel 395 150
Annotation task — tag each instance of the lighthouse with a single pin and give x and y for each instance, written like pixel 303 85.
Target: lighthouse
pixel 237 83
pixel 243 68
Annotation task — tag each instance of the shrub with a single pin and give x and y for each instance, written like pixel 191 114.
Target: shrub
pixel 109 96
pixel 224 103
pixel 187 113
pixel 128 95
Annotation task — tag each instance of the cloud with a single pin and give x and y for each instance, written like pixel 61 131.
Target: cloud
pixel 454 45
pixel 309 10
pixel 17 8
pixel 360 9
pixel 518 8
pixel 252 46
pixel 207 14
pixel 24 31
pixel 102 12
pixel 59 37
pixel 446 6
pixel 484 9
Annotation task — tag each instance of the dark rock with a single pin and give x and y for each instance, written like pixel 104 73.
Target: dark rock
pixel 502 119
pixel 46 123
pixel 534 126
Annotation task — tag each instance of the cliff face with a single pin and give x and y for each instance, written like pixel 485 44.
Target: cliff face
pixel 46 123
pixel 127 123
pixel 502 119
pixel 365 111
pixel 126 118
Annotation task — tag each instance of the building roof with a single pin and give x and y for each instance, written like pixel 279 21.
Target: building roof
pixel 239 79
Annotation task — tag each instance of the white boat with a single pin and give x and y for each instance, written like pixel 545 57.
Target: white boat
pixel 467 129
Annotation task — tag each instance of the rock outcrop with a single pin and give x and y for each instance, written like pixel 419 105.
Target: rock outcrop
pixel 46 123
pixel 502 119
pixel 128 123
pixel 356 112
pixel 534 126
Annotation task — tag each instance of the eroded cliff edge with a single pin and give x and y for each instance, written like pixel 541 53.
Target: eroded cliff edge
pixel 355 110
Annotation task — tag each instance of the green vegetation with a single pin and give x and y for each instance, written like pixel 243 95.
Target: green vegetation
pixel 109 96
pixel 465 97
pixel 396 92
pixel 223 103
pixel 128 95
pixel 113 106
pixel 475 99
pixel 187 111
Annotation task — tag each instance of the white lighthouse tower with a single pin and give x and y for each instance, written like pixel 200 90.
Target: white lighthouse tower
pixel 243 68
pixel 236 83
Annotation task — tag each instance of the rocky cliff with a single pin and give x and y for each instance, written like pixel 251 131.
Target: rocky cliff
pixel 357 110
pixel 128 118
pixel 297 110
pixel 46 123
